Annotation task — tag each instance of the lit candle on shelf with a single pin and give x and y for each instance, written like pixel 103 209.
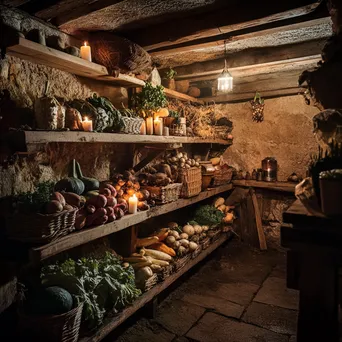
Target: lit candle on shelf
pixel 143 128
pixel 166 131
pixel 87 125
pixel 149 125
pixel 158 126
pixel 133 205
pixel 86 52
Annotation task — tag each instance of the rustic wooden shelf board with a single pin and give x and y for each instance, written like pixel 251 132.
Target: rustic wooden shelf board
pixel 43 137
pixel 41 54
pixel 37 53
pixel 114 322
pixel 277 186
pixel 86 235
pixel 180 96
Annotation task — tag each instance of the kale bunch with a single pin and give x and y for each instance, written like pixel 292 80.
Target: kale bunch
pixel 208 215
pixel 100 284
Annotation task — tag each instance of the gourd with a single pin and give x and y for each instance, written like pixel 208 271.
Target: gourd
pixel 71 183
pixel 89 183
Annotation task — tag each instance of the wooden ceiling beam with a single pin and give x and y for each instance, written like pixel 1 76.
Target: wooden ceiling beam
pixel 228 19
pixel 222 39
pixel 256 56
pixel 62 11
pixel 13 3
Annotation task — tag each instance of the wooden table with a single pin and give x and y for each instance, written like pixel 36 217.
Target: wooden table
pixel 315 250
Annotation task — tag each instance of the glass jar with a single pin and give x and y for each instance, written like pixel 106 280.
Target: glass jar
pixel 182 124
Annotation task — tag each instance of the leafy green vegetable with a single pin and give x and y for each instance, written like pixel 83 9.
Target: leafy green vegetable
pixel 34 201
pixel 150 99
pixel 101 284
pixel 208 215
pixel 170 74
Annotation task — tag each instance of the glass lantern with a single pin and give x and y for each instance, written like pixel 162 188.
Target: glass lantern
pixel 225 80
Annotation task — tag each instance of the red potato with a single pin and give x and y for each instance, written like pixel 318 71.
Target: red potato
pixel 57 196
pixel 72 199
pixel 99 201
pixel 106 192
pixel 111 201
pixel 100 220
pixel 80 222
pixel 90 209
pixel 110 211
pixel 107 185
pixel 100 212
pixel 111 218
pixel 118 212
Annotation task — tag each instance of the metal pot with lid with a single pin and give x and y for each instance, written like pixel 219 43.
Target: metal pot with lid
pixel 269 169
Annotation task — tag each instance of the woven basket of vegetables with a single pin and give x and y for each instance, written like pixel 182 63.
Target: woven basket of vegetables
pixel 181 262
pixel 165 272
pixel 205 243
pixel 40 228
pixel 196 252
pixel 164 194
pixel 223 175
pixel 192 182
pixel 53 328
pixel 131 125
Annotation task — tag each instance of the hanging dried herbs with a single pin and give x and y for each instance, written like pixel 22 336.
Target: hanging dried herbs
pixel 258 105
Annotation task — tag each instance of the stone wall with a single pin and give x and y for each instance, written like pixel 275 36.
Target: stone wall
pixel 25 82
pixel 285 133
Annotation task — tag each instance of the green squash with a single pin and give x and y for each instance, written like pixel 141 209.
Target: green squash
pixel 72 183
pixel 89 183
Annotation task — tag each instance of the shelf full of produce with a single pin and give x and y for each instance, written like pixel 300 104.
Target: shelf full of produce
pixel 113 322
pixel 24 140
pixel 37 53
pixel 84 236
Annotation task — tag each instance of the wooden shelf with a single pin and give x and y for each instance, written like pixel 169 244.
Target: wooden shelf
pixel 90 234
pixel 22 140
pixel 112 323
pixel 37 53
pixel 277 186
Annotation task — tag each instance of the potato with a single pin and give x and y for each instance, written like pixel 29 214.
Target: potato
pixel 184 236
pixel 175 234
pixel 184 243
pixel 170 240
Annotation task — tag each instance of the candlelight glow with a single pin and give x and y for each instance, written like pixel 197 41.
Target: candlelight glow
pixel 85 43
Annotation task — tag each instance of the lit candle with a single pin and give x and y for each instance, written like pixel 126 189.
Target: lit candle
pixel 166 131
pixel 86 52
pixel 158 126
pixel 149 125
pixel 143 128
pixel 133 205
pixel 87 125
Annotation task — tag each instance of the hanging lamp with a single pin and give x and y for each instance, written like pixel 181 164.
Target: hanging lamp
pixel 225 80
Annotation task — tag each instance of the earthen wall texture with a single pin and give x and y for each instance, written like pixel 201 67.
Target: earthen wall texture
pixel 285 133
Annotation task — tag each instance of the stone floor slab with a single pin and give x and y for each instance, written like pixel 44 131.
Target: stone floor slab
pixel 178 316
pixel 279 320
pixel 216 328
pixel 146 331
pixel 210 300
pixel 275 292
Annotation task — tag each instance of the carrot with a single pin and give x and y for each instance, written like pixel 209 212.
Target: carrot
pixel 161 247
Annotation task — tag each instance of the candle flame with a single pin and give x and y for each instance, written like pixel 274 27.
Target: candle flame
pixel 85 43
pixel 134 196
pixel 85 118
pixel 157 118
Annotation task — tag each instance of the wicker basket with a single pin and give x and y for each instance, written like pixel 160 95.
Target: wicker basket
pixel 196 252
pixel 192 182
pixel 165 272
pixel 54 328
pixel 40 228
pixel 164 194
pixel 222 175
pixel 150 282
pixel 131 125
pixel 181 262
pixel 205 243
pixel 216 235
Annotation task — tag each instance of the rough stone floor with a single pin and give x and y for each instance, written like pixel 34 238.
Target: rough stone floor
pixel 239 295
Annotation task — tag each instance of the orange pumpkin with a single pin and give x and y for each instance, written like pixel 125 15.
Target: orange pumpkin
pixel 162 113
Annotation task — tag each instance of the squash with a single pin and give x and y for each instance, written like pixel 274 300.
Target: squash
pixel 218 201
pixel 147 241
pixel 228 218
pixel 161 113
pixel 162 234
pixel 89 183
pixel 72 183
pixel 163 248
